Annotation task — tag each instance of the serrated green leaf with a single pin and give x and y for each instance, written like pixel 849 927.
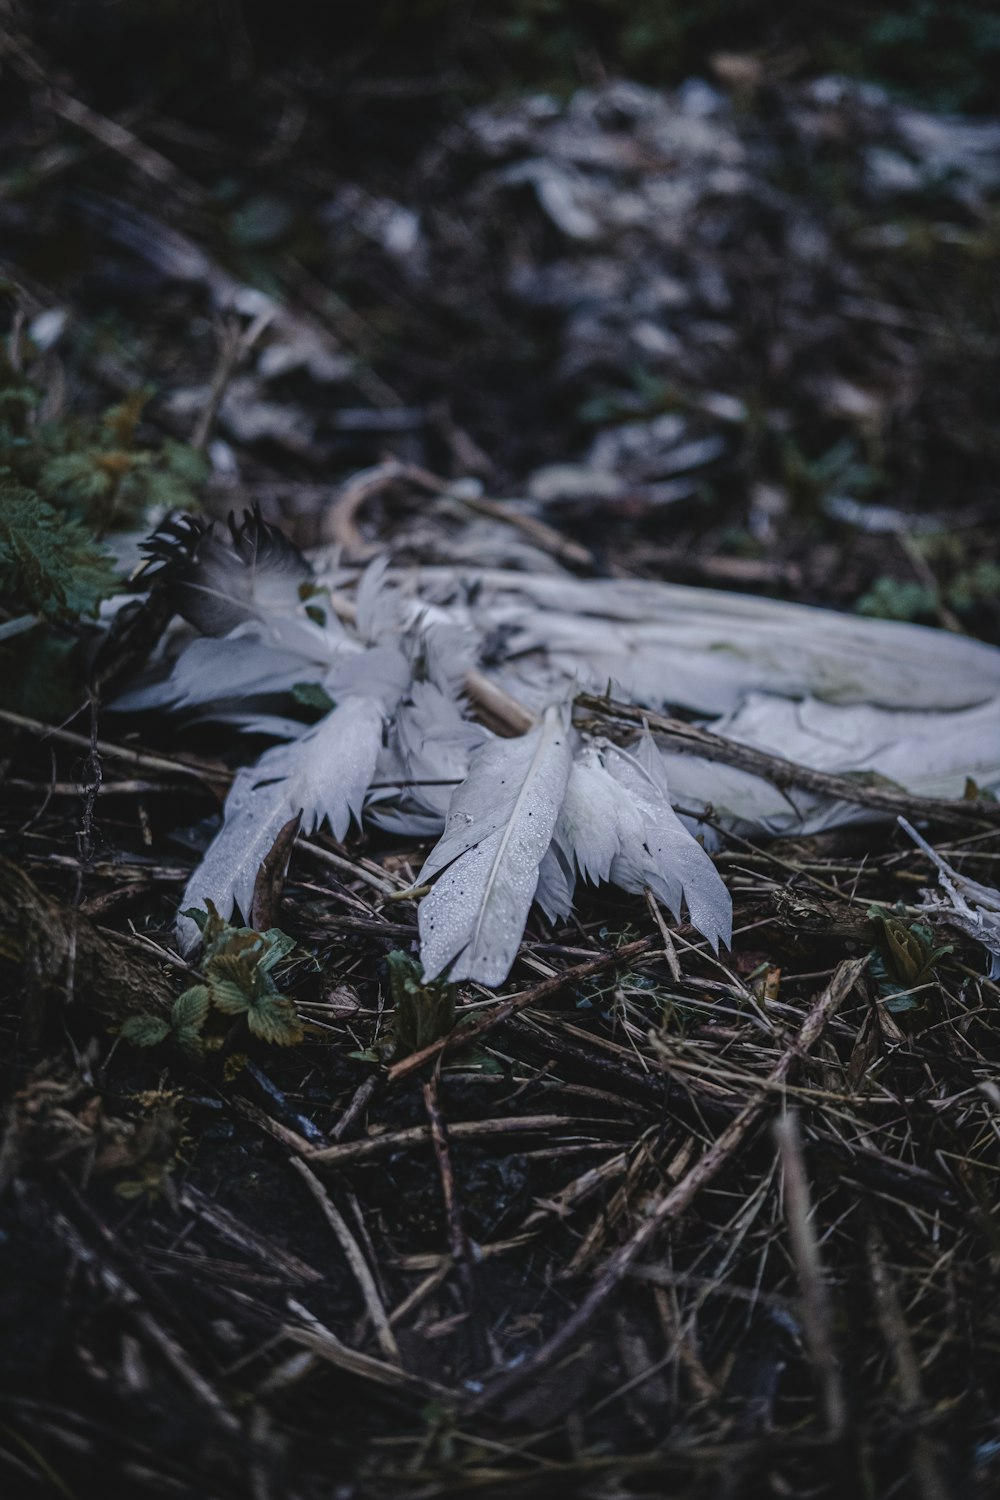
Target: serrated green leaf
pixel 79 475
pixel 278 945
pixel 274 1020
pixel 237 963
pixel 189 1039
pixel 145 1030
pixel 422 1012
pixel 229 996
pixel 191 1008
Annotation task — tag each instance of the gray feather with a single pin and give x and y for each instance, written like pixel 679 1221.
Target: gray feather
pixel 970 906
pixel 617 823
pixel 325 773
pixel 499 825
pixel 211 669
pixel 706 649
pixel 556 884
pixel 427 754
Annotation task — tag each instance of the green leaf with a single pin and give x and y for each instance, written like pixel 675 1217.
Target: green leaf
pixel 278 946
pixel 229 996
pixel 79 475
pixel 891 599
pixel 191 1008
pixel 199 917
pixel 311 695
pixel 185 465
pixel 238 981
pixel 273 1019
pixel 191 1042
pixel 145 1030
pixel 37 677
pixel 423 1012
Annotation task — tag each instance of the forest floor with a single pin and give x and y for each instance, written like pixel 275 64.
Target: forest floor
pixel 649 1221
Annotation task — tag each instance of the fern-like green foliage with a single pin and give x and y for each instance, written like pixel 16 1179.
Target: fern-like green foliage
pixel 52 574
pixel 95 469
pixel 49 563
pixel 238 965
pixel 64 483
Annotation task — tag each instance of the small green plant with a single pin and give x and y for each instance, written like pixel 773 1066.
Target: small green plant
pixel 238 965
pixel 897 599
pixel 968 583
pixel 422 1012
pixel 52 575
pixel 95 470
pixel 64 483
pixel 50 564
pixel 904 960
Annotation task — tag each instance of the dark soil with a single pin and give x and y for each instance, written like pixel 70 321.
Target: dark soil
pixel 593 1265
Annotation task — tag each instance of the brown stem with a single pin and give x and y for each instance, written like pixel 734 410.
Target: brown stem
pixel 689 739
pixel 680 1197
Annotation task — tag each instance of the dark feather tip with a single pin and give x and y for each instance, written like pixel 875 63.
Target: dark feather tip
pixel 216 583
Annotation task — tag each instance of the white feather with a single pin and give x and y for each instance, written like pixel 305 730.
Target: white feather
pixel 970 906
pixel 212 669
pixel 427 755
pixel 325 773
pixel 377 604
pixel 597 816
pixel 500 823
pixel 705 649
pixel 617 824
pixel 556 884
pixel 379 672
pixel 667 858
pixel 930 754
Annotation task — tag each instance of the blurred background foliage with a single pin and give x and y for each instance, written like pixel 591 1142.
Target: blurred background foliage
pixel 944 52
pixel 289 128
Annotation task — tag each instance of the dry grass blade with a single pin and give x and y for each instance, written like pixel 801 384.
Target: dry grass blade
pixel 355 1259
pixel 817 1314
pixel 311 1334
pixel 680 1196
pixel 466 1035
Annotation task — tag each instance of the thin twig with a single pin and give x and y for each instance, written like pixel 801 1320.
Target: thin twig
pixel 926 1474
pixel 358 1104
pixel 346 1153
pixel 141 759
pixel 679 1198
pixel 817 1316
pixel 234 346
pixel 514 1003
pixel 310 1333
pixel 355 1259
pixel 689 739
pixel 457 1238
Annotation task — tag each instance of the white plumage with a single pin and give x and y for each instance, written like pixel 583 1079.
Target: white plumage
pixel 499 824
pixel 526 817
pixel 324 774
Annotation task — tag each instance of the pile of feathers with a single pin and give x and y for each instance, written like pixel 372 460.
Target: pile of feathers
pixel 447 702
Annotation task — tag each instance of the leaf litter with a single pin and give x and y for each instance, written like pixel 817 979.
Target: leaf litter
pixel 545 1236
